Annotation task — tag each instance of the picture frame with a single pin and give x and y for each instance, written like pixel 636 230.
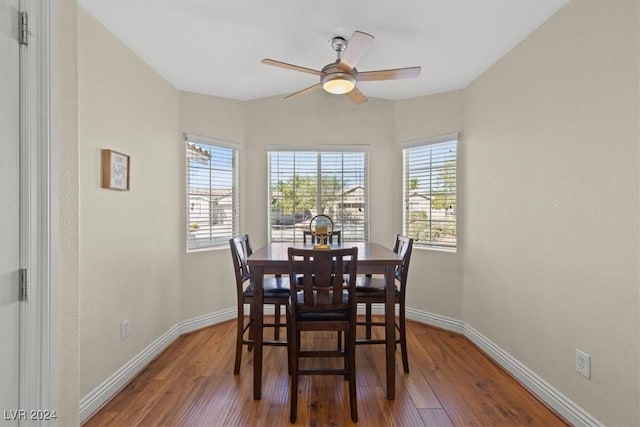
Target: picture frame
pixel 116 170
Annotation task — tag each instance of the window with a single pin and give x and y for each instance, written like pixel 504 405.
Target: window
pixel 212 192
pixel 303 184
pixel 430 207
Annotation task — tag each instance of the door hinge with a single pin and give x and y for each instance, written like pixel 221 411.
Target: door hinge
pixel 23 37
pixel 22 292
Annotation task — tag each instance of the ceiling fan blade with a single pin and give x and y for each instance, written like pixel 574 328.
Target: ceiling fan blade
pixel 290 66
pixel 357 45
pixel 396 73
pixel 304 91
pixel 356 96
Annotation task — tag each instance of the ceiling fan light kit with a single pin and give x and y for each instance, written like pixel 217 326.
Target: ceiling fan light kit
pixel 338 83
pixel 341 77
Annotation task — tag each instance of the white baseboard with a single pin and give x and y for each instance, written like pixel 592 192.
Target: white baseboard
pixel 436 320
pixel 573 413
pixel 448 323
pixel 100 395
pixel 207 320
pixel 543 390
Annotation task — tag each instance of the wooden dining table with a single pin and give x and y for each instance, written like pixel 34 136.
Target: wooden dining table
pixel 373 258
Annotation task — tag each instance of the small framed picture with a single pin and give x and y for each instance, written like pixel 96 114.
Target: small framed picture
pixel 116 168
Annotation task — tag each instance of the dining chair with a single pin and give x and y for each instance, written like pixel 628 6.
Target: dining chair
pixel 371 290
pixel 307 233
pixel 275 292
pixel 322 299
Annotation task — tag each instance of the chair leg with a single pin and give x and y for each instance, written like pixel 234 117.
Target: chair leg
pixel 368 321
pixel 289 335
pixel 350 345
pixel 294 376
pixel 239 337
pixel 276 316
pixel 345 356
pixel 251 335
pixel 403 340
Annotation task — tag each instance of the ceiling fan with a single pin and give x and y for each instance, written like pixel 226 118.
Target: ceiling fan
pixel 341 76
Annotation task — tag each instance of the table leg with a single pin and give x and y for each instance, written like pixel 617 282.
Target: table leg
pixel 257 308
pixel 390 331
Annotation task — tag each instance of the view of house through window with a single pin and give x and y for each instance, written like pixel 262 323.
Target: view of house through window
pixel 430 192
pixel 212 214
pixel 303 184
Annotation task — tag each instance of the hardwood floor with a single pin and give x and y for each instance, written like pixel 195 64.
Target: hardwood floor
pixel 451 382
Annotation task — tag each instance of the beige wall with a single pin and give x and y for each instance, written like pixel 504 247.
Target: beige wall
pixel 130 241
pixel 207 276
pixel 435 277
pixel 65 184
pixel 551 205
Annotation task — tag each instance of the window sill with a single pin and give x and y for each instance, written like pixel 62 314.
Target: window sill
pixel 432 249
pixel 207 249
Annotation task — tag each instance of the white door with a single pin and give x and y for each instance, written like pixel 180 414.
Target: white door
pixel 9 214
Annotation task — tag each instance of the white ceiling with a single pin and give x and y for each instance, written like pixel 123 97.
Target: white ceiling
pixel 215 47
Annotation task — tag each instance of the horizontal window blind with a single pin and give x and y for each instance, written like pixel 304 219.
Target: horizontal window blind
pixel 303 184
pixel 212 211
pixel 430 193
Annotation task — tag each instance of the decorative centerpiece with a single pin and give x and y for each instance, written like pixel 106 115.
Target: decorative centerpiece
pixel 321 227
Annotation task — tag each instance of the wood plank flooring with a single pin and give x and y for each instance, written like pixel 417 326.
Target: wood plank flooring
pixel 451 383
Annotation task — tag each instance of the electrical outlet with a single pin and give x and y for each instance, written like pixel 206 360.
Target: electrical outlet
pixel 583 364
pixel 124 329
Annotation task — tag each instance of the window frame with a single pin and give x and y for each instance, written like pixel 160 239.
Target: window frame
pixel 234 148
pixel 365 150
pixel 406 189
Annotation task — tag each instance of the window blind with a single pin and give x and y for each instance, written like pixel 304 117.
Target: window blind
pixel 212 211
pixel 303 184
pixel 430 193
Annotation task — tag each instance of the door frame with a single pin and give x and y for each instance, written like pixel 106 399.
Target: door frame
pixel 38 207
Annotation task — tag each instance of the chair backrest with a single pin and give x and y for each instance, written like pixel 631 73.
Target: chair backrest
pixel 324 279
pixel 240 251
pixel 337 234
pixel 305 234
pixel 403 247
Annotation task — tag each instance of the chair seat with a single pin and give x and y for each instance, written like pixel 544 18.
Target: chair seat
pixel 372 286
pixel 273 287
pixel 325 315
